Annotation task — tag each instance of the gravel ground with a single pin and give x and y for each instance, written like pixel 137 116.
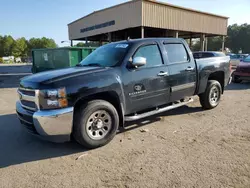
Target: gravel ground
pixel 186 147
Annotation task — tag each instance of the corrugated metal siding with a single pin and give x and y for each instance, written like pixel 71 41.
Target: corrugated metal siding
pixel 164 16
pixel 126 15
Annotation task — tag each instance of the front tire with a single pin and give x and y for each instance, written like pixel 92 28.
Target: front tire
pixel 95 124
pixel 211 97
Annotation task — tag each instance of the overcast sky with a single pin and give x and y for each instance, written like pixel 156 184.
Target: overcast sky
pixel 49 18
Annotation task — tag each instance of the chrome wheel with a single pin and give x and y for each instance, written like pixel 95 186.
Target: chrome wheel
pixel 99 124
pixel 214 95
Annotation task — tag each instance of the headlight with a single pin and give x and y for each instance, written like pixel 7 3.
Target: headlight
pixel 59 93
pixel 53 98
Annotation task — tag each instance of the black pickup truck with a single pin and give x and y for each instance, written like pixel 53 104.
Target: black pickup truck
pixel 118 82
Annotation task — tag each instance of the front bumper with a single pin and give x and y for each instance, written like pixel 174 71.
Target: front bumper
pixel 52 125
pixel 242 75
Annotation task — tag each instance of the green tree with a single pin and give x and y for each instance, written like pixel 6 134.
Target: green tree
pixel 89 44
pixel 1 46
pixel 214 43
pixel 36 43
pixel 48 43
pixel 238 38
pixel 196 45
pixel 20 48
pixel 80 44
pixel 6 45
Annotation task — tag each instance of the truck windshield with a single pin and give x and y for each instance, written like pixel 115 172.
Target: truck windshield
pixel 109 55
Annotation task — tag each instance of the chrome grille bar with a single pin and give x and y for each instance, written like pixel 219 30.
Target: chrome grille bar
pixel 25 97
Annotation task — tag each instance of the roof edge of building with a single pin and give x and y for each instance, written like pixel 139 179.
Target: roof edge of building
pixel 184 8
pixel 152 1
pixel 128 2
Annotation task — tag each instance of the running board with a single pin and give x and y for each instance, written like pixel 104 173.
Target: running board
pixel 157 111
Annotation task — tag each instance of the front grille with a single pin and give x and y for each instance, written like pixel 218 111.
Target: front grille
pixel 29 104
pixel 28 99
pixel 28 92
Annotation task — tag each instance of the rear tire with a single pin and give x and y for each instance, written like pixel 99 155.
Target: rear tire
pixel 211 97
pixel 95 124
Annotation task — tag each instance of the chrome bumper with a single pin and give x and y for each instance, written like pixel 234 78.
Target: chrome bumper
pixel 53 125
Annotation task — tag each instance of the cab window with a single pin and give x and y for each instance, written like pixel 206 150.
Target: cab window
pixel 151 53
pixel 176 53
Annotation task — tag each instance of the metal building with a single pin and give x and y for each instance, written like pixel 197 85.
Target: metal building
pixel 148 18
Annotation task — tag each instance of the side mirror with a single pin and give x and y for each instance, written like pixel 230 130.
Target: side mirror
pixel 139 61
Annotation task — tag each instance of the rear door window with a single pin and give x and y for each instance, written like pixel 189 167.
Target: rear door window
pixel 176 53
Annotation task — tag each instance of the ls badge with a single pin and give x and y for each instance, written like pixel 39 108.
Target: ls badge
pixel 138 89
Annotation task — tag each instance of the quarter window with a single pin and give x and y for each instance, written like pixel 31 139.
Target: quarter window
pixel 176 53
pixel 151 53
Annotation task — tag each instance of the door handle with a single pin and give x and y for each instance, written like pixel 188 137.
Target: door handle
pixel 163 74
pixel 189 69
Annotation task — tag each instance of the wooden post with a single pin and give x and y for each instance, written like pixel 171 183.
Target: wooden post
pixel 202 41
pixel 109 37
pixel 223 43
pixel 190 42
pixel 176 34
pixel 206 41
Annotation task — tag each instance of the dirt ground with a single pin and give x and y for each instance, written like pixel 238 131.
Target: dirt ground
pixel 186 147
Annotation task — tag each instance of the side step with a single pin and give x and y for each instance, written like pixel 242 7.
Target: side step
pixel 157 111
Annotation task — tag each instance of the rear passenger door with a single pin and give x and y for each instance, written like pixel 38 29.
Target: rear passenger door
pixel 182 71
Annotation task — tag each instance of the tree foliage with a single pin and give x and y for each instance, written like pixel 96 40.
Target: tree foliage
pixel 22 47
pixel 35 43
pixel 6 45
pixel 238 39
pixel 89 44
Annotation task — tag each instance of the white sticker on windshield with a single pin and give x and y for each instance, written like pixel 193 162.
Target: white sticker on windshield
pixel 121 46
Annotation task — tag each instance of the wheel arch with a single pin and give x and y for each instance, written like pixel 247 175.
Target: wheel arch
pixel 218 76
pixel 109 96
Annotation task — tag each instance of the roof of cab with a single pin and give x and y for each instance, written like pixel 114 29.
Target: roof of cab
pixel 152 39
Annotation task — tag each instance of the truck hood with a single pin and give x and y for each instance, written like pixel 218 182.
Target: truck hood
pixel 60 74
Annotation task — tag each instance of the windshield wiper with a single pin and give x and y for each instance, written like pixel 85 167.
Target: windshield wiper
pixel 91 64
pixel 94 64
pixel 78 65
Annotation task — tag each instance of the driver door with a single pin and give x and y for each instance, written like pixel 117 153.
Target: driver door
pixel 147 86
